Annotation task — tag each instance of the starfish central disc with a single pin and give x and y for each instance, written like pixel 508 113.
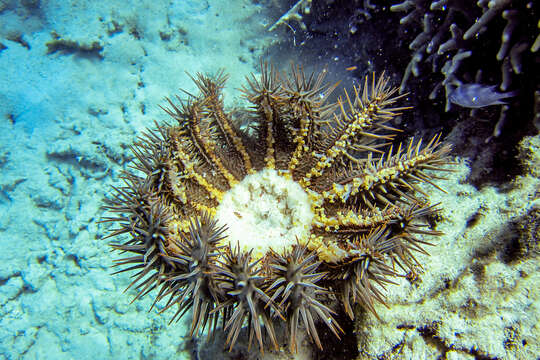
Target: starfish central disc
pixel 265 210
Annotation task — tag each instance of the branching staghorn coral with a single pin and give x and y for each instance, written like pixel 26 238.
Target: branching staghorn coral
pixel 294 14
pixel 454 32
pixel 271 222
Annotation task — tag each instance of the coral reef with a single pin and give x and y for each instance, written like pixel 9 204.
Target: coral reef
pixel 268 215
pixel 457 40
pixel 478 298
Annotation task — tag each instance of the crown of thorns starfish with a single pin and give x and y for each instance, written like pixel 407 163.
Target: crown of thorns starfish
pixel 263 215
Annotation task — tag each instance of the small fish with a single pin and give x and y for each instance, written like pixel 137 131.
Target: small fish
pixel 477 96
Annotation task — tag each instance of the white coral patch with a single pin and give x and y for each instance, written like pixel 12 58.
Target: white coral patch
pixel 265 211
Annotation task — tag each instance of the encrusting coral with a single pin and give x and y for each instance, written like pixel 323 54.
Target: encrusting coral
pixel 270 221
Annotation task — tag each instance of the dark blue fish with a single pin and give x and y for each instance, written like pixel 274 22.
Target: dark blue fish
pixel 477 96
